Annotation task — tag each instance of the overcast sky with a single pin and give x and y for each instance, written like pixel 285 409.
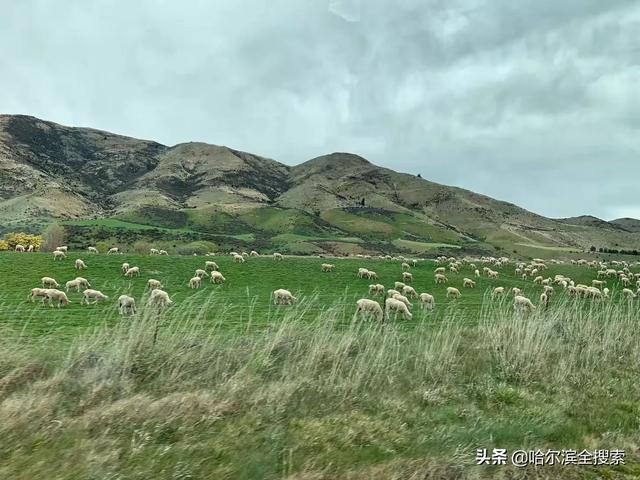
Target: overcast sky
pixel 536 102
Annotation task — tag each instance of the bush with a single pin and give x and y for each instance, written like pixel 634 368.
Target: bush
pixel 20 238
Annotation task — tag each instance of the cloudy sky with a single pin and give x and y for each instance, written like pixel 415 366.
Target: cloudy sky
pixel 536 102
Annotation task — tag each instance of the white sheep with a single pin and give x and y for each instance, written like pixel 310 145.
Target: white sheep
pixel 152 283
pixel 159 299
pixel 399 285
pixel 366 307
pixel 409 292
pixel 95 295
pixel 63 248
pixel 55 295
pixel 208 265
pixel 216 277
pixel 371 275
pixel 628 293
pixel 132 272
pixel 439 270
pixel 92 250
pixel 238 258
pixel 362 272
pixel 154 251
pixel 283 297
pixel 253 253
pixel 440 278
pixel 468 283
pixel 395 305
pixel 80 265
pixel 407 277
pixel 277 256
pixel 163 252
pixel 19 248
pixel 59 255
pixel 126 304
pixel 427 301
pixel 37 292
pixel 544 299
pixel 391 292
pixel 72 284
pixel 113 250
pixel 125 267
pixel 406 266
pixel 516 291
pixel 327 267
pixel 523 303
pixel 498 291
pixel 376 289
pixel 476 272
pixel 49 282
pixel 453 292
pixel 195 282
pixel 403 299
pixel 201 273
pixel 30 248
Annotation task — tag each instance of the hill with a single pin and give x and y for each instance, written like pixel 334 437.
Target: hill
pixel 338 202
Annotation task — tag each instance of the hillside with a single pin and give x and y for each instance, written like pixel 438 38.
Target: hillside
pixel 338 202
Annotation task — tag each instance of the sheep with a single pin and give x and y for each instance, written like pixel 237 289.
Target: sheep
pixel 409 292
pixel 406 266
pixel 366 307
pixel 439 270
pixel 30 248
pixel 440 278
pixel 516 291
pixel 211 265
pixel 628 293
pixel 399 285
pixel 152 283
pixel 403 299
pixel 605 292
pixel 477 272
pixel 468 283
pixel 277 256
pixel 523 303
pixel 392 304
pixel 407 277
pixel 49 282
pixel 154 251
pixel 59 255
pixel 201 273
pixel 126 304
pixel 159 299
pixel 195 282
pixel 72 284
pixel 37 292
pixel 362 272
pixel 19 248
pixel 371 275
pixel 544 299
pixel 376 289
pixel 453 292
pixel 92 250
pixel 492 274
pixel 163 252
pixel 498 291
pixel 427 301
pixel 327 267
pixel 63 248
pixel 125 267
pixel 253 253
pixel 95 295
pixel 244 254
pixel 538 279
pixel 113 250
pixel 216 277
pixel 283 297
pixel 132 272
pixel 79 265
pixel 55 295
pixel 238 259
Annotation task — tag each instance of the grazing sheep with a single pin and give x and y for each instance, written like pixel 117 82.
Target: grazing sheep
pixel 253 253
pixel 55 295
pixel 283 297
pixel 154 251
pixel 72 284
pixel 544 299
pixel 399 285
pixel 366 307
pixel 49 282
pixel 208 265
pixel 159 299
pixel 277 256
pixel 201 273
pixel 395 305
pixel 516 291
pixel 195 282
pixel 440 278
pixel 216 277
pixel 64 248
pixel 19 248
pixel 238 258
pixel 362 272
pixel 125 267
pixel 403 299
pixel 152 283
pixel 453 292
pixel 163 252
pixel 37 292
pixel 538 279
pixel 113 250
pixel 409 292
pixel 548 290
pixel 605 293
pixel 406 266
pixel 523 303
pixel 327 267
pixel 439 270
pixel 492 274
pixel 30 248
pixel 468 283
pixel 427 301
pixel 407 277
pixel 376 289
pixel 95 295
pixel 628 293
pixel 477 272
pixel 132 272
pixel 126 304
pixel 59 255
pixel 80 265
pixel 92 250
pixel 371 275
pixel 498 291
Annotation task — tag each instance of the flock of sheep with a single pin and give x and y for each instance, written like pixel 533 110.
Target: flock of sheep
pixel 398 300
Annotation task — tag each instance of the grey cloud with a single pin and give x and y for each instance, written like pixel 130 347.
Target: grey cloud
pixel 533 102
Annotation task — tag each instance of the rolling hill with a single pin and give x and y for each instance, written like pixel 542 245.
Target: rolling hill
pixel 338 202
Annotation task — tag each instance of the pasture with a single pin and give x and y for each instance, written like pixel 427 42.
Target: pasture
pixel 233 387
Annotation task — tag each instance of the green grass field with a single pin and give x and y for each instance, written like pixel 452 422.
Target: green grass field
pixel 224 385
